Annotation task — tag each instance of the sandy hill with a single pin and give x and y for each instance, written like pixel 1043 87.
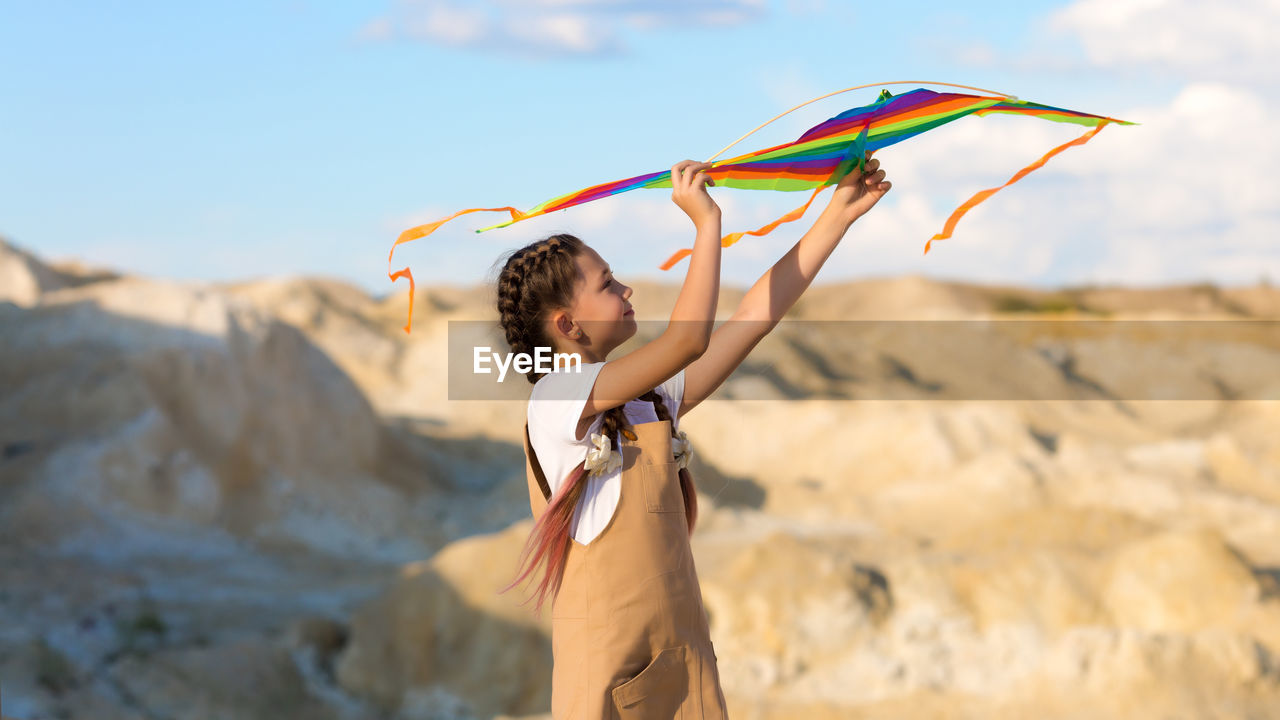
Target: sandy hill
pixel 257 500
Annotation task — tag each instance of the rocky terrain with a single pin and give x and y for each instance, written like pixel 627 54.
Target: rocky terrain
pixel 918 499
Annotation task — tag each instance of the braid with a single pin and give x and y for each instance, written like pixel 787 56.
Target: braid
pixel 615 422
pixel 534 281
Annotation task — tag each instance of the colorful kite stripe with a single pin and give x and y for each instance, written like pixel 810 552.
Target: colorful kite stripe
pixel 818 158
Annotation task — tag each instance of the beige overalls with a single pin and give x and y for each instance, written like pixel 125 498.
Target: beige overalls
pixel 629 635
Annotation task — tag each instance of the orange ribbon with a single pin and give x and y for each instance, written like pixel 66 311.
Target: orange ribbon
pixel 732 238
pixel 984 194
pixel 414 233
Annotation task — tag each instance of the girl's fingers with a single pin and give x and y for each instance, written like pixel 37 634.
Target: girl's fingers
pixel 678 171
pixel 692 171
pixel 687 172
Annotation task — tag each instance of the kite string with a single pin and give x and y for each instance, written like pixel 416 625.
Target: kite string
pixel 857 87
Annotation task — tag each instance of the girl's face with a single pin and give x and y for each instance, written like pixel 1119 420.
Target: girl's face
pixel 600 309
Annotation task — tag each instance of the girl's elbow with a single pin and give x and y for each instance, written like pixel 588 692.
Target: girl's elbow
pixel 691 345
pixel 759 324
pixel 695 347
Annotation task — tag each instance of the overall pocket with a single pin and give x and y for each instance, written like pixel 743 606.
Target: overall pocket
pixel 658 691
pixel 661 483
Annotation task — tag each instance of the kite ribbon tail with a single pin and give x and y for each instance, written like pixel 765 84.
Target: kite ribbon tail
pixel 414 233
pixel 732 238
pixel 984 194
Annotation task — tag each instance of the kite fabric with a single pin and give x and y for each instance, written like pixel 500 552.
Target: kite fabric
pixel 820 157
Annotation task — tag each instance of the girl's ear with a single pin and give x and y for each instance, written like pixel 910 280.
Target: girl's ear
pixel 562 323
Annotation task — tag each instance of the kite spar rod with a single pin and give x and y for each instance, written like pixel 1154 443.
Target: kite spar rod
pixel 858 87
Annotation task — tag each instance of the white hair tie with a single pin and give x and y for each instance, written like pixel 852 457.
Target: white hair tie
pixel 602 459
pixel 682 449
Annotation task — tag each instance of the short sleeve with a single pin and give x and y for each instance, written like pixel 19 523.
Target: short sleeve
pixel 673 390
pixel 557 400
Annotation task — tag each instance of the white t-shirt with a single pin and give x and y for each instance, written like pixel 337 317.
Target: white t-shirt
pixel 555 406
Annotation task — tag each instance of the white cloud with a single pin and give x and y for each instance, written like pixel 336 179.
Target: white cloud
pixel 549 28
pixel 1189 194
pixel 451 24
pixel 575 34
pixel 1233 41
pixel 1225 41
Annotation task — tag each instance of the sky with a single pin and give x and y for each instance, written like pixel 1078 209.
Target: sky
pixel 275 138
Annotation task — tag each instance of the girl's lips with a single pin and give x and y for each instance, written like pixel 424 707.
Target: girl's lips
pixel 630 312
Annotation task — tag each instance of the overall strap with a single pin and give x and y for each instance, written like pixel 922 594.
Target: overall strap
pixel 539 490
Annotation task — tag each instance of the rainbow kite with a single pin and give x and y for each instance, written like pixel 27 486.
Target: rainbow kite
pixel 820 157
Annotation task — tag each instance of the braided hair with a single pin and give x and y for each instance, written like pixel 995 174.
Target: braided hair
pixel 536 280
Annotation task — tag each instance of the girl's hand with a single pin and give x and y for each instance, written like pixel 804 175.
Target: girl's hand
pixel 858 192
pixel 689 192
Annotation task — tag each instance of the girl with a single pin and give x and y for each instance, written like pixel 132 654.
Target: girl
pixel 607 467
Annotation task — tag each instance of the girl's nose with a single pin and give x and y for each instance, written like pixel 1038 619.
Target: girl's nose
pixel 626 293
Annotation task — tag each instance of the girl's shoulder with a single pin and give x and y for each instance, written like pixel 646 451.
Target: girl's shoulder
pixel 566 383
pixel 557 400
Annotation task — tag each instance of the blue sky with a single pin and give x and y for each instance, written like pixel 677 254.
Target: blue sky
pixel 240 140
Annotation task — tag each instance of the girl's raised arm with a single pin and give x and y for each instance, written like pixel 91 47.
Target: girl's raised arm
pixel 689 331
pixel 765 304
